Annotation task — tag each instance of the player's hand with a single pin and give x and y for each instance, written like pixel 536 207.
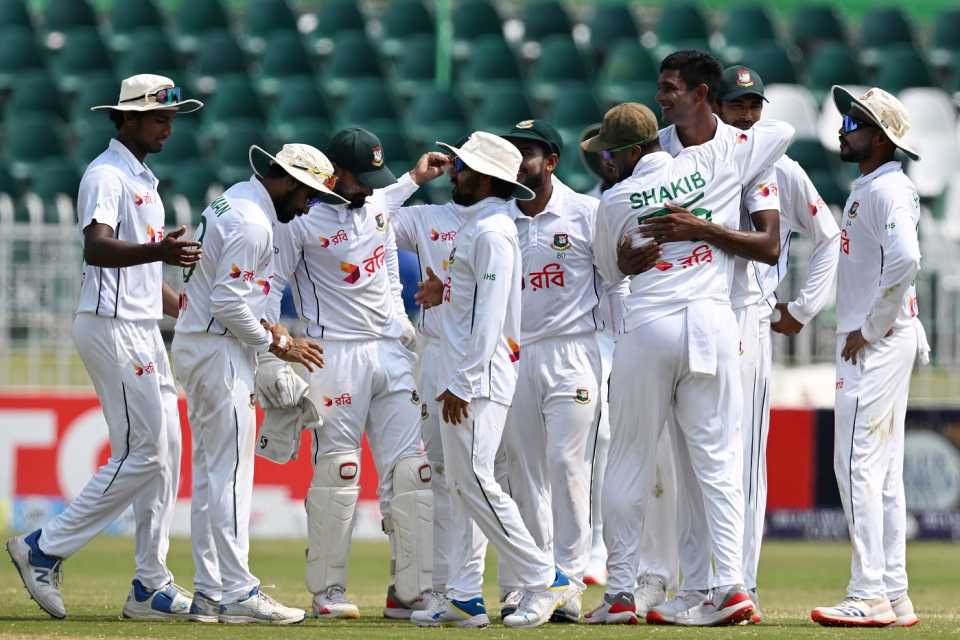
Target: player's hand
pixel 854 345
pixel 454 410
pixel 632 261
pixel 677 226
pixel 430 291
pixel 432 164
pixel 303 351
pixel 787 324
pixel 179 253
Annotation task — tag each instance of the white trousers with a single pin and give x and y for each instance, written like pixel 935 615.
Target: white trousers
pixel 597 449
pixel 552 417
pixel 481 510
pixel 217 375
pixel 658 552
pixel 128 365
pixel 870 411
pixel 430 425
pixel 652 386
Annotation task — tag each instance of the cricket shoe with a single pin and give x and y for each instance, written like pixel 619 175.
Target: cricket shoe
pixel 333 603
pixel 536 607
pixel 260 608
pixel 903 609
pixel 166 603
pixel 757 616
pixel 596 572
pixel 570 611
pixel 721 606
pixel 204 609
pixel 449 612
pixel 856 612
pixel 618 609
pixel 651 591
pixel 510 602
pixel 667 612
pixel 397 609
pixel 41 574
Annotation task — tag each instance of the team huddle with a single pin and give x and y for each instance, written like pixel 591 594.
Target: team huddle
pixel 587 388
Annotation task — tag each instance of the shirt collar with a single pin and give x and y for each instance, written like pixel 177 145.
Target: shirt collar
pixel 485 204
pixel 263 196
pixel 885 168
pixel 554 206
pixel 651 162
pixel 133 165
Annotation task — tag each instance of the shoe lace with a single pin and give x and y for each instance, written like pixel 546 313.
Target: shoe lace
pixel 690 597
pixel 56 574
pixel 336 593
pixel 651 581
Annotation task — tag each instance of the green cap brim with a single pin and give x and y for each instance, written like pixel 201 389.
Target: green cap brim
pixel 378 179
pixel 739 93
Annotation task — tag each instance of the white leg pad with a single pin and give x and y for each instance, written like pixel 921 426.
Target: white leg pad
pixel 410 527
pixel 331 502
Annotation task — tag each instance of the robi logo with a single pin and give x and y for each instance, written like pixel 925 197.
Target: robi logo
pixel 844 242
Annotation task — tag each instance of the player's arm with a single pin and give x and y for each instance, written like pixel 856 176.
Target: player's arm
pixel 171 301
pixel 429 166
pixel 409 338
pixel 287 250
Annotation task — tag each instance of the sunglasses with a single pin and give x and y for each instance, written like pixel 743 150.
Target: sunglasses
pixel 459 165
pixel 329 179
pixel 165 96
pixel 851 124
pixel 607 154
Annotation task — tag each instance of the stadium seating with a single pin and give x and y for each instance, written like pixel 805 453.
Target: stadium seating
pixel 611 24
pixel 403 21
pixel 127 19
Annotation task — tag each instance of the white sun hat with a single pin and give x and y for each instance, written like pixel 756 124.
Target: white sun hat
pixel 884 109
pixel 492 156
pixel 306 165
pixel 147 92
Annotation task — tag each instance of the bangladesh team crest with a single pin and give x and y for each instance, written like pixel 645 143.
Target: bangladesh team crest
pixel 415 397
pixel 744 79
pixel 424 412
pixel 381 222
pixel 561 242
pixel 582 396
pixel 525 124
pixel 377 156
pixel 853 210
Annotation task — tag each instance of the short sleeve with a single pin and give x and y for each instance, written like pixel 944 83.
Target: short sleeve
pixel 99 198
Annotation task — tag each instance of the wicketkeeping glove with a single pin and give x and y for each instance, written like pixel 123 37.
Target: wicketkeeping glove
pixel 277 385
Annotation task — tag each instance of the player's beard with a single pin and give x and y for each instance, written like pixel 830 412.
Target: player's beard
pixel 848 153
pixel 534 181
pixel 464 189
pixel 287 209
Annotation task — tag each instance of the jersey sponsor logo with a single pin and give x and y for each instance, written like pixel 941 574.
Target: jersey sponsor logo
pixel 447 286
pixel 742 137
pixel 220 206
pixel 663 265
pixel 551 276
pixel 264 284
pixel 374 262
pixel 701 254
pixel 424 411
pixel 452 258
pixel 144 369
pixel 352 271
pixel 377 153
pixel 445 236
pixel 767 190
pixel 582 396
pixel 142 199
pixel 237 272
pixel 154 235
pixel 381 221
pixel 489 276
pixel 337 238
pixel 341 400
pixel 844 242
pixel 514 349
pixel 182 301
pixel 852 213
pixel 561 241
pixel 839 384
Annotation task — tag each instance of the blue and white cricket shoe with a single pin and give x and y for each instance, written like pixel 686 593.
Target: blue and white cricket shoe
pixel 260 608
pixel 41 574
pixel 204 609
pixel 166 603
pixel 536 607
pixel 446 611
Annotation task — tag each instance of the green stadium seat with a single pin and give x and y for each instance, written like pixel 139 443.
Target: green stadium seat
pixel 502 107
pixel 559 62
pixel 14 13
pixel 35 93
pixel 31 140
pixel 264 19
pixel 19 53
pixel 192 180
pixel 828 187
pixel 899 67
pixel 545 18
pixel 284 59
pixel 83 55
pixel 681 23
pixel 832 63
pixel 810 154
pixel 64 16
pixel 491 63
pixel 416 69
pixel 628 71
pixel 8 184
pixel 612 23
pixel 219 55
pixel 334 17
pixel 747 26
pixel 397 152
pixel 299 101
pixel 127 19
pixel 153 53
pixel 572 172
pixel 91 142
pixel 881 28
pixel 771 61
pixel 945 40
pixel 53 178
pixel 181 147
pixel 473 19
pixel 306 131
pixel 813 25
pixel 434 114
pixel 231 159
pixel 235 102
pixel 101 89
pixel 402 21
pixel 572 113
pixel 194 19
pixel 354 58
pixel 368 104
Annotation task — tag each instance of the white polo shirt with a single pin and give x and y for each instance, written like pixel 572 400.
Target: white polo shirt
pixel 344 269
pixel 121 192
pixel 561 287
pixel 226 292
pixel 879 254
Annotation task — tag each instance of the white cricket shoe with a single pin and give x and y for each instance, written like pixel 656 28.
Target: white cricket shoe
pixel 448 612
pixel 618 609
pixel 757 616
pixel 536 607
pixel 651 591
pixel 397 609
pixel 856 612
pixel 510 602
pixel 41 574
pixel 204 609
pixel 333 603
pixel 667 612
pixel 169 602
pixel 260 608
pixel 730 604
pixel 570 610
pixel 903 609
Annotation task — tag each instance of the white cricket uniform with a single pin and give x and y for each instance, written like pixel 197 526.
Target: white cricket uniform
pixel 879 259
pixel 678 322
pixel 347 289
pixel 429 231
pixel 480 329
pixel 218 336
pixel 556 413
pixel 118 339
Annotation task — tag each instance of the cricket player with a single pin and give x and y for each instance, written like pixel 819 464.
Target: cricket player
pixel 218 336
pixel 122 296
pixel 804 212
pixel 480 325
pixel 878 339
pixel 343 263
pixel 678 321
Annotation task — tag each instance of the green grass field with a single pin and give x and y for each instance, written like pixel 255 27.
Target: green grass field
pixel 794 578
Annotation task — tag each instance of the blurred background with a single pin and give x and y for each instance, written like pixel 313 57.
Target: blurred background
pixel 415 71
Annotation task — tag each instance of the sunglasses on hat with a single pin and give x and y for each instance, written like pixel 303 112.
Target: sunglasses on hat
pixel 607 154
pixel 851 124
pixel 165 96
pixel 459 165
